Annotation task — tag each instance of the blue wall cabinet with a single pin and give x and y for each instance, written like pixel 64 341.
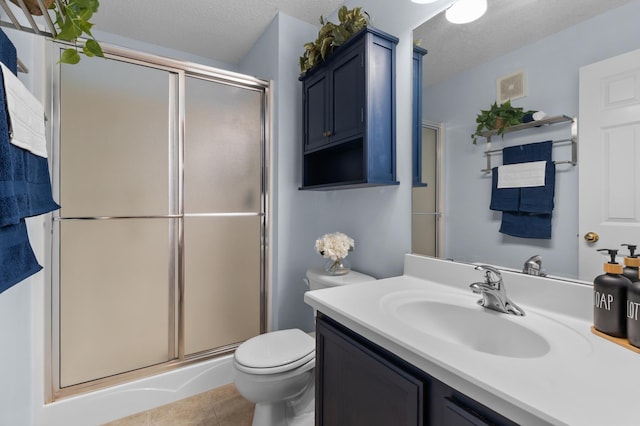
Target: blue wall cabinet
pixel 418 54
pixel 360 383
pixel 349 115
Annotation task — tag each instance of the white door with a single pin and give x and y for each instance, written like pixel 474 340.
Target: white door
pixel 609 159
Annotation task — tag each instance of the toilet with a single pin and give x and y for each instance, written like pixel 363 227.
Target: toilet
pixel 276 370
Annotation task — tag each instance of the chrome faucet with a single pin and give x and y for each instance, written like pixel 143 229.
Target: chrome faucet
pixel 494 294
pixel 533 266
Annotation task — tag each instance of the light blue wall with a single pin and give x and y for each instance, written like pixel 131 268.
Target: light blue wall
pixel 275 56
pixel 299 217
pixel 551 66
pixel 379 219
pixel 15 358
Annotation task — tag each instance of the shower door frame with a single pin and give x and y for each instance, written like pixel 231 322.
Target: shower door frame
pixel 179 71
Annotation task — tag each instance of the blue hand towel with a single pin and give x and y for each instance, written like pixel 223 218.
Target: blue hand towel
pixel 8 54
pixel 17 260
pixel 9 210
pixel 503 199
pixel 25 185
pixel 539 199
pixel 539 151
pixel 526 225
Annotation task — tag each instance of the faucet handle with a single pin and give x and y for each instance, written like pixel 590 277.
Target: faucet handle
pixel 491 274
pixel 533 266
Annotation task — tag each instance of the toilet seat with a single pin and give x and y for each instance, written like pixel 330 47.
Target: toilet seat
pixel 275 352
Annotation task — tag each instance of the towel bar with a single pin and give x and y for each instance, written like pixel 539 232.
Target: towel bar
pixel 551 120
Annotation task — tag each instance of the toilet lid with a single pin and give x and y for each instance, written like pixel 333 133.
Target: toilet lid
pixel 278 350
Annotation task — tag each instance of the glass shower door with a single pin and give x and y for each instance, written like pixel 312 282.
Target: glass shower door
pixel 160 243
pixel 223 211
pixel 116 233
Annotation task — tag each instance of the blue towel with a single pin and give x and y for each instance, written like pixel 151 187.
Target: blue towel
pixel 8 54
pixel 9 211
pixel 503 199
pixel 539 199
pixel 526 225
pixel 17 260
pixel 539 151
pixel 526 212
pixel 25 190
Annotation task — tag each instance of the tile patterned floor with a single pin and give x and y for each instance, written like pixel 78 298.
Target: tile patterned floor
pixel 219 407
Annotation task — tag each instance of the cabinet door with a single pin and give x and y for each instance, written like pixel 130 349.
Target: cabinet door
pixel 316 110
pixel 347 95
pixel 457 415
pixel 450 407
pixel 356 387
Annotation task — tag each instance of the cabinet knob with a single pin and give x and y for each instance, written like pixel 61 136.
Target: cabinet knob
pixel 327 133
pixel 591 237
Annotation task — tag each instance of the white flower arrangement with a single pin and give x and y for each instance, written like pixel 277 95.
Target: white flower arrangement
pixel 334 246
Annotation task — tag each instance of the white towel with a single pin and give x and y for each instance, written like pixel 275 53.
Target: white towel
pixel 27 129
pixel 522 175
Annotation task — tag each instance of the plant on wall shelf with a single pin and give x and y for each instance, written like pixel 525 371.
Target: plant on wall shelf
pixel 333 35
pixel 71 22
pixel 498 117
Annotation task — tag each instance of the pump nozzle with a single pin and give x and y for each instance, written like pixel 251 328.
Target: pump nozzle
pixel 613 253
pixel 612 267
pixel 632 249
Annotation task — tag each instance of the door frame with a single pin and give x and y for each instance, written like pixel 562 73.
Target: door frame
pixel 439 129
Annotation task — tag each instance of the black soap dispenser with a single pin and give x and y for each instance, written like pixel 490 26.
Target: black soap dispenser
pixel 610 298
pixel 631 263
pixel 633 314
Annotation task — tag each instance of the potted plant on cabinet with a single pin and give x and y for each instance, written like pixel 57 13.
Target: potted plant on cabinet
pixel 498 117
pixel 72 21
pixel 333 35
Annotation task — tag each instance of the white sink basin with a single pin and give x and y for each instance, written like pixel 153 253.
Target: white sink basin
pixel 459 320
pixel 481 330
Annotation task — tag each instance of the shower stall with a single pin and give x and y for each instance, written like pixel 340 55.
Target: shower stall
pixel 159 254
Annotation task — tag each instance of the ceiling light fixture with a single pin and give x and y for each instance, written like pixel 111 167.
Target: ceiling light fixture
pixel 465 11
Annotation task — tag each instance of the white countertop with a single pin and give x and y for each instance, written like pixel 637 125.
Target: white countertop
pixel 582 379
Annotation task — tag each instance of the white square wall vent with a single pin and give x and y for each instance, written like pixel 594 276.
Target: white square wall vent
pixel 511 86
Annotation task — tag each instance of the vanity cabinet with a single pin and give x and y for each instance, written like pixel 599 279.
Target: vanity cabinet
pixel 360 383
pixel 349 115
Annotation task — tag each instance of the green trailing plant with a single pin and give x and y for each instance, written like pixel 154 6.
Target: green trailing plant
pixel 72 22
pixel 498 117
pixel 333 35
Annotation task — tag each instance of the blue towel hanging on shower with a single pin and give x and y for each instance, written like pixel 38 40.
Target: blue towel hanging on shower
pixel 25 190
pixel 17 260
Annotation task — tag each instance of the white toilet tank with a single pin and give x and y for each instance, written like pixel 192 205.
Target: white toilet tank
pixel 317 279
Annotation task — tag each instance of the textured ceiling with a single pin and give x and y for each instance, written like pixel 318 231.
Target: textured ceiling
pixel 507 25
pixel 225 30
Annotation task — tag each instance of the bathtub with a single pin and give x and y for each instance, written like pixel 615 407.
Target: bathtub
pixel 119 401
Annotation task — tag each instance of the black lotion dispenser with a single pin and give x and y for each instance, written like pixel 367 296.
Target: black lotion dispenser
pixel 631 263
pixel 633 300
pixel 633 314
pixel 610 298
